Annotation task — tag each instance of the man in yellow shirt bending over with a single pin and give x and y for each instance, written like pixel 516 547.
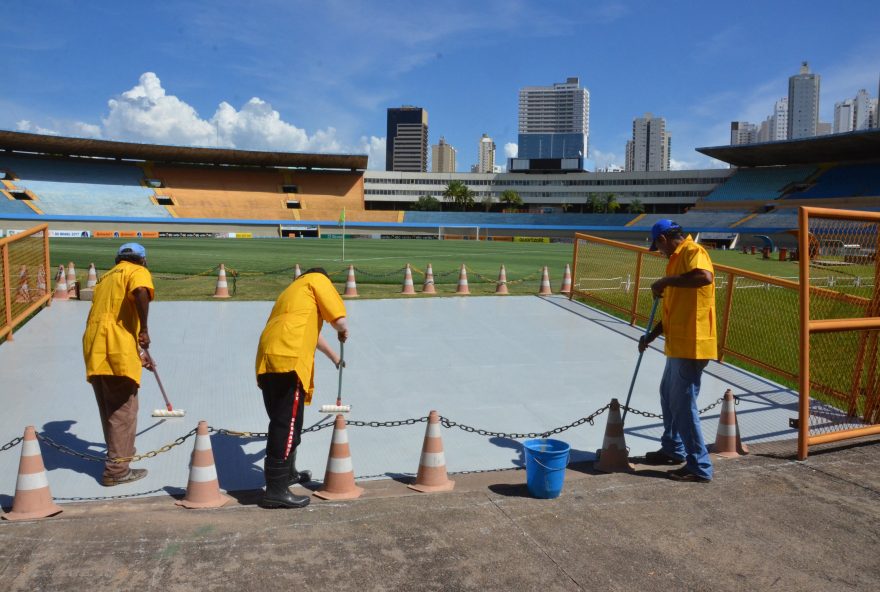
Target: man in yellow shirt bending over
pixel 688 292
pixel 285 374
pixel 116 327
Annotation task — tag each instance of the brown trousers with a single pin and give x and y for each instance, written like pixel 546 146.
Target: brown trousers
pixel 118 406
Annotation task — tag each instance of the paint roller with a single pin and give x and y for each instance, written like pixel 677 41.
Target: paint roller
pixel 339 407
pixel 169 411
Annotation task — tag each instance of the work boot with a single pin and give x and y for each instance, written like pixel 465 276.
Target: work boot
pixel 277 494
pixel 297 476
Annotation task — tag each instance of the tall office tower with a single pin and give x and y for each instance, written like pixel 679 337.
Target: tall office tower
pixel 862 115
pixel 779 121
pixel 442 157
pixel 406 141
pixel 764 130
pixel 843 116
pixel 554 124
pixel 486 160
pixel 803 104
pixel 650 147
pixel 743 132
pixel 875 115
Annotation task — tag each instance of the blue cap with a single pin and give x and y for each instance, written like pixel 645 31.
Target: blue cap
pixel 132 249
pixel 661 227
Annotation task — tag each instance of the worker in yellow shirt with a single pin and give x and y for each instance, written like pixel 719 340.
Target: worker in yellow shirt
pixel 688 324
pixel 115 329
pixel 285 374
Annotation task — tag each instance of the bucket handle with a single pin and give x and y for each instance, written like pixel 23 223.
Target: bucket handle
pixel 562 468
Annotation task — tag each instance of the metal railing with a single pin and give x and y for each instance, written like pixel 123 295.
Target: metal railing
pixel 24 265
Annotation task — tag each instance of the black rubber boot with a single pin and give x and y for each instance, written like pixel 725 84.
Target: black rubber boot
pixel 277 495
pixel 297 476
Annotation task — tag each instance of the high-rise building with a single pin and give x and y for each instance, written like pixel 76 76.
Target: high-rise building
pixel 743 132
pixel 875 115
pixel 406 140
pixel 442 157
pixel 486 160
pixel 764 130
pixel 803 104
pixel 779 121
pixel 554 125
pixel 650 147
pixel 843 116
pixel 862 107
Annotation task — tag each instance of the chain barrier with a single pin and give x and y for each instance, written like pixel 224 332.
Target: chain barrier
pixel 444 421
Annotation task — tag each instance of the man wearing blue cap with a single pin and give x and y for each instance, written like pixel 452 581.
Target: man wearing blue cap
pixel 688 292
pixel 115 330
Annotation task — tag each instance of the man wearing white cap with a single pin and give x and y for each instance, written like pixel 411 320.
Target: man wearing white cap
pixel 115 330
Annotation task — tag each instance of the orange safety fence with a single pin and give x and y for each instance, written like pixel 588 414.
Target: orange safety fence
pixel 27 277
pixel 759 326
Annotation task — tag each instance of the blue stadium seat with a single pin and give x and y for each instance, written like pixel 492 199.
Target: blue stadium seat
pixel 483 218
pixel 764 183
pixel 853 180
pixel 9 206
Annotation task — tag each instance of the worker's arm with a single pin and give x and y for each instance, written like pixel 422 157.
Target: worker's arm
pixel 328 351
pixel 695 278
pixel 645 340
pixel 142 305
pixel 341 326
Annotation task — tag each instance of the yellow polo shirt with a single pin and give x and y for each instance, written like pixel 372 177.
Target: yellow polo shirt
pixel 689 313
pixel 288 341
pixel 110 340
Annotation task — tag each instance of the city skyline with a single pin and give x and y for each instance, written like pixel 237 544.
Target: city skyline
pixel 302 77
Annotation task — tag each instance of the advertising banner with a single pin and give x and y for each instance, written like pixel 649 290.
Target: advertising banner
pixel 125 234
pixel 531 239
pixel 69 234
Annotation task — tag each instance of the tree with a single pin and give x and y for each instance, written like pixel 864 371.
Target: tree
pixel 487 203
pixel 510 198
pixel 597 205
pixel 636 207
pixel 611 204
pixel 427 203
pixel 459 194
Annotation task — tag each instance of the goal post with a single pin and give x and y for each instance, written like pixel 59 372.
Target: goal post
pixel 458 232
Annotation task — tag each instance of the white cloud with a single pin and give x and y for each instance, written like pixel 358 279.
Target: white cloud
pixel 374 148
pixel 681 165
pixel 511 149
pixel 604 159
pixel 77 129
pixel 27 126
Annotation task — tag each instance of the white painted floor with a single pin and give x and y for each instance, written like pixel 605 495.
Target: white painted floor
pixel 505 364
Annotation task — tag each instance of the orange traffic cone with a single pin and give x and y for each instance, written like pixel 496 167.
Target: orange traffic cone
pixel 408 282
pixel 432 464
pixel 61 292
pixel 297 271
pixel 727 441
pixel 203 489
pixel 42 286
pixel 32 496
pixel 462 281
pixel 222 289
pixel 545 283
pixel 351 289
pixel 23 294
pixel 71 280
pixel 339 476
pixel 429 287
pixel 566 280
pixel 614 456
pixel 92 279
pixel 501 287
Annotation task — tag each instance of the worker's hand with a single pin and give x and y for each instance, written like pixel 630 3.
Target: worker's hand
pixel 146 360
pixel 338 362
pixel 343 335
pixel 658 287
pixel 644 342
pixel 144 339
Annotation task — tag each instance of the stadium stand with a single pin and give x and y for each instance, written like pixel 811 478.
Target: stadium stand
pixel 483 218
pixel 12 206
pixel 782 218
pixel 82 187
pixel 697 218
pixel 849 180
pixel 764 184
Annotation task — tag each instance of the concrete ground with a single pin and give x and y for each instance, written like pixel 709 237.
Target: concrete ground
pixel 766 522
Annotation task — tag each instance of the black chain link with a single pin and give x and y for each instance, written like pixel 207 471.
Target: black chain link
pixel 386 424
pixel 120 459
pixel 11 444
pixel 107 497
pixel 448 423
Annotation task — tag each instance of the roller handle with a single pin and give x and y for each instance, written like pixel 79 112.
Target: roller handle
pixel 632 384
pixel 146 355
pixel 341 364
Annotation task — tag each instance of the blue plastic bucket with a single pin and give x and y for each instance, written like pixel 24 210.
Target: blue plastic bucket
pixel 546 460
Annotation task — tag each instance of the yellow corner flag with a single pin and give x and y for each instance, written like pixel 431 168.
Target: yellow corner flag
pixel 342 216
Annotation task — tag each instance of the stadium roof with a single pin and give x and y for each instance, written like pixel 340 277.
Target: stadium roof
pixel 43 144
pixel 847 147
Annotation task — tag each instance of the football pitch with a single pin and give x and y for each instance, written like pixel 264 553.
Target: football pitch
pixel 258 269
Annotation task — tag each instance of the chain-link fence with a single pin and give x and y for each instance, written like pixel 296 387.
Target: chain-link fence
pixel 24 261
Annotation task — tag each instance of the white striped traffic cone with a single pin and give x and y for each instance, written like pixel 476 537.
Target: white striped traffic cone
pixel 71 280
pixel 203 489
pixel 429 287
pixel 566 280
pixel 23 294
pixel 32 496
pixel 222 289
pixel 614 456
pixel 728 443
pixel 351 289
pixel 545 283
pixel 92 279
pixel 339 476
pixel 408 282
pixel 501 287
pixel 42 285
pixel 462 281
pixel 432 475
pixel 61 292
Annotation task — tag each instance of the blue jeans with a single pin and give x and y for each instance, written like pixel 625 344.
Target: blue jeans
pixel 682 435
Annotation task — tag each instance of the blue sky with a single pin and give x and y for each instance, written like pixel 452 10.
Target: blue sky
pixel 318 76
